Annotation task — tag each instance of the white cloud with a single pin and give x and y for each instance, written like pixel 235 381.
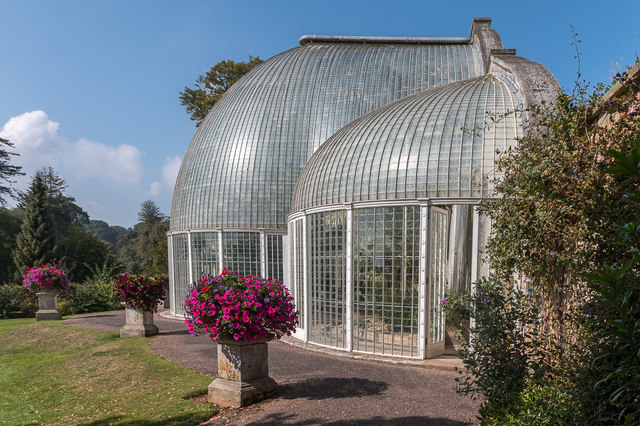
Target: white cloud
pixel 31 130
pixel 170 171
pixel 119 164
pixel 37 141
pixel 104 179
pixel 155 188
pixel 169 174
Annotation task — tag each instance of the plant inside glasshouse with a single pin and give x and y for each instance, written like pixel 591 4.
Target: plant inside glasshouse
pixel 248 308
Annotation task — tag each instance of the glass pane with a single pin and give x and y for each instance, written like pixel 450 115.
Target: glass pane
pixel 181 271
pixel 242 252
pixel 386 281
pixel 327 278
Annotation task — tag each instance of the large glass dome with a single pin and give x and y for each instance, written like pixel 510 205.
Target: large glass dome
pixel 234 187
pixel 383 223
pixel 440 143
pixel 243 162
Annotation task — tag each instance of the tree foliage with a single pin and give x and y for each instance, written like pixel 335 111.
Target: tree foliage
pixel 554 224
pixel 150 213
pixel 35 244
pixel 7 170
pixel 10 221
pixel 143 250
pixel 210 87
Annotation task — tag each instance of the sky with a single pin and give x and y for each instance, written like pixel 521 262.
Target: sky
pixel 91 87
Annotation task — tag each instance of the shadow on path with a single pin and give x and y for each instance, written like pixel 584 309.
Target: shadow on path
pixel 332 388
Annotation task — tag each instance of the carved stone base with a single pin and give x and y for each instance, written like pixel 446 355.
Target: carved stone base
pixel 233 393
pixel 243 374
pixel 138 324
pixel 48 306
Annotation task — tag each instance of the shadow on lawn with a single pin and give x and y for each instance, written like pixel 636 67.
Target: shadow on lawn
pixel 332 388
pixel 185 419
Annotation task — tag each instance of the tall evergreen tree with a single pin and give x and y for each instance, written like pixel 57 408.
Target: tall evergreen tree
pixel 7 170
pixel 35 243
pixel 150 213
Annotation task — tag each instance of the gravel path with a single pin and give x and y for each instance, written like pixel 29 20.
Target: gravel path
pixel 316 388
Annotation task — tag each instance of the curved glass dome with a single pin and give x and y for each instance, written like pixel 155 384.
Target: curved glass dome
pixel 440 143
pixel 244 160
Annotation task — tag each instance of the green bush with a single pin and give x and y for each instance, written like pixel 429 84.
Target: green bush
pixel 498 360
pixel 16 301
pixel 538 404
pixel 95 294
pixel 89 297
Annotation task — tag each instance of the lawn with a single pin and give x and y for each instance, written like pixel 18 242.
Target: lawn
pixel 54 374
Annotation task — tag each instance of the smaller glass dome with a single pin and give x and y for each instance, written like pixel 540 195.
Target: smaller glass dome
pixel 440 143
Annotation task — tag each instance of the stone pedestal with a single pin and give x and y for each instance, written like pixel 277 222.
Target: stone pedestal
pixel 243 374
pixel 138 323
pixel 48 306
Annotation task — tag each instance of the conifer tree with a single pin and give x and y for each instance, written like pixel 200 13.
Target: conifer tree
pixel 35 243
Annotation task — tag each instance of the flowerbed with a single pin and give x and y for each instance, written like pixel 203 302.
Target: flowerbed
pixel 140 292
pixel 240 308
pixel 45 277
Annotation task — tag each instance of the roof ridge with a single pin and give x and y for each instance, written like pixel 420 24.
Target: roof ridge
pixel 305 39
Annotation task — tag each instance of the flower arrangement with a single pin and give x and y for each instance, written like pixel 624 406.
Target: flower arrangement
pixel 240 308
pixel 45 277
pixel 140 292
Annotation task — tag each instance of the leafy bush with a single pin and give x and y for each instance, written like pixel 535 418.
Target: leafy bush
pixel 555 225
pixel 499 358
pixel 16 301
pixel 89 297
pixel 616 321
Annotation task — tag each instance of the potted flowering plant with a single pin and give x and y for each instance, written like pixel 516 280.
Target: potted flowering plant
pixel 46 282
pixel 140 295
pixel 241 314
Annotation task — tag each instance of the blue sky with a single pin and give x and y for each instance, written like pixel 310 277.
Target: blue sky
pixel 91 87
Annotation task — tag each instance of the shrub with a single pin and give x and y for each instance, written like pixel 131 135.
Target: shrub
pixel 89 297
pixel 16 300
pixel 140 292
pixel 241 308
pixel 499 360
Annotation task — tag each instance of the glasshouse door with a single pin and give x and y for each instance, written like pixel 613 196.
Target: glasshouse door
pixel 438 245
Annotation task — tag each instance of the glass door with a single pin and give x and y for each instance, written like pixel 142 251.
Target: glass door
pixel 436 284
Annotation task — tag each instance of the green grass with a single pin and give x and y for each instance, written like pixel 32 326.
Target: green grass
pixel 54 374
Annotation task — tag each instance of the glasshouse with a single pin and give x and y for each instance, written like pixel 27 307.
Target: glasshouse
pixel 350 168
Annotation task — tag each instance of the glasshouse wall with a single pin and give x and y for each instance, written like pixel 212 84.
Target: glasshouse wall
pixel 194 253
pixel 370 278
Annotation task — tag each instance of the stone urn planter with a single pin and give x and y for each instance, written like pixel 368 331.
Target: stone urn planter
pixel 138 323
pixel 48 305
pixel 243 374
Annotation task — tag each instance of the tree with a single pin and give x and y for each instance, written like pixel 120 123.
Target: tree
pixel 64 210
pixel 150 213
pixel 9 228
pixel 35 244
pixel 143 250
pixel 105 232
pixel 7 170
pixel 210 87
pixel 75 248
